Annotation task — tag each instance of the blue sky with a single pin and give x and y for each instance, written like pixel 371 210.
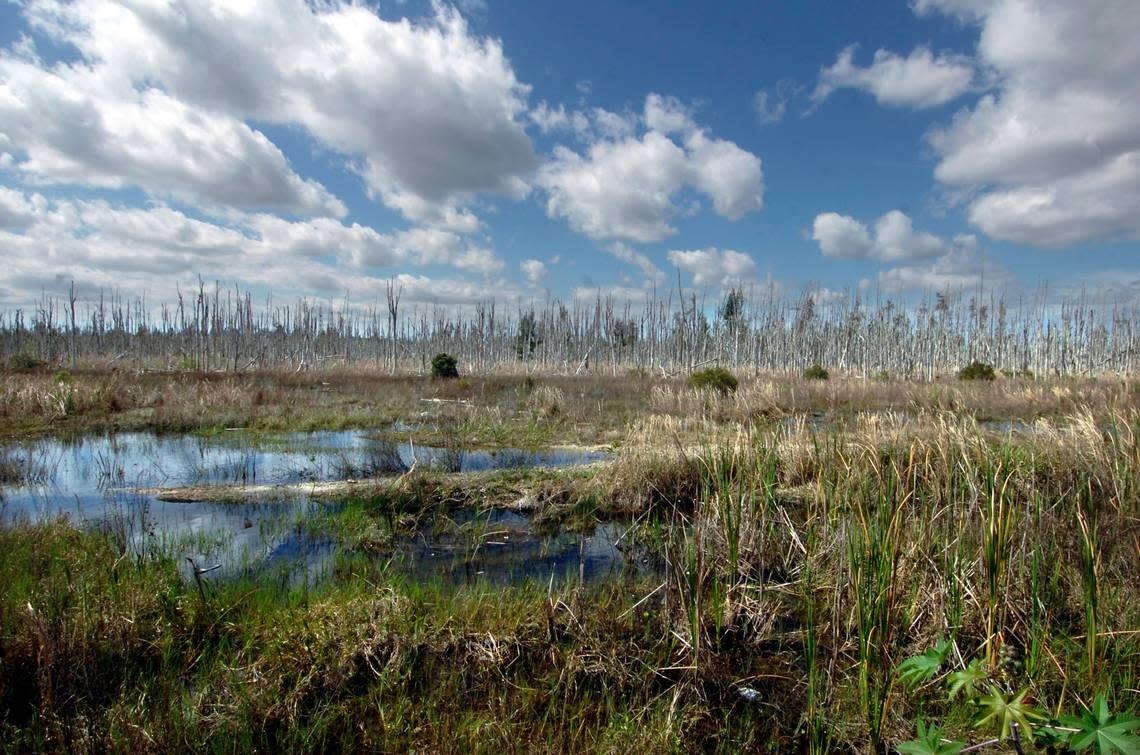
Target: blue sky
pixel 520 150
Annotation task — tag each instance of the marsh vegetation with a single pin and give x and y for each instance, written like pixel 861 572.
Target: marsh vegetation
pixel 796 565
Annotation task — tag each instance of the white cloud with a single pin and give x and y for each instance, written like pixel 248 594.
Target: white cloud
pixel 918 80
pixel 432 114
pixel 841 236
pixel 550 119
pixel 624 187
pixel 652 273
pixel 77 125
pixel 771 107
pixel 895 239
pixel 148 249
pixel 619 190
pixel 962 268
pixel 616 293
pixel 667 115
pixel 610 125
pixel 712 266
pixel 434 246
pixel 534 271
pixel 1052 158
pixel 17 210
pixel 731 176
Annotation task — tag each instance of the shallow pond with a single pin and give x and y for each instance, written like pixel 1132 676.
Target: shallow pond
pixel 90 480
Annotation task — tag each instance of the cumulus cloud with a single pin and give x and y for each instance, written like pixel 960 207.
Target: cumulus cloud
pixel 894 238
pixel 552 119
pixel 619 189
pixel 919 80
pixel 17 210
pixel 146 249
pixel 76 125
pixel 434 246
pixel 1052 157
pixel 625 186
pixel 712 266
pixel 429 113
pixel 534 271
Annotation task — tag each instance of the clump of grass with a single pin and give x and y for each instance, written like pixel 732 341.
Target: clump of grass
pixel 816 372
pixel 714 378
pixel 977 371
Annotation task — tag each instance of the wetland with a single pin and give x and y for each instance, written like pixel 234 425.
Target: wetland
pixel 347 561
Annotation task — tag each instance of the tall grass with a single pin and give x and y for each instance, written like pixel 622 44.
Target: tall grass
pixel 800 565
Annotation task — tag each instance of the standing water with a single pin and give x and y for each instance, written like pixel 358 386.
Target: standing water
pixel 90 480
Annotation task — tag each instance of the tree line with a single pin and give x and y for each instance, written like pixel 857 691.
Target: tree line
pixel 754 329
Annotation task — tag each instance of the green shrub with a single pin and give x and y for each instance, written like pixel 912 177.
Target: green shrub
pixel 882 376
pixel 443 366
pixel 976 371
pixel 714 378
pixel 63 376
pixel 24 362
pixel 816 372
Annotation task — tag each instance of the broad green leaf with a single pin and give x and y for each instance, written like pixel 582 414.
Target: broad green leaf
pixel 929 742
pixel 920 668
pixel 967 680
pixel 996 709
pixel 1099 729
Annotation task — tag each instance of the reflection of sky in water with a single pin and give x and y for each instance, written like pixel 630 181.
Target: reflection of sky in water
pixel 88 480
pixel 76 476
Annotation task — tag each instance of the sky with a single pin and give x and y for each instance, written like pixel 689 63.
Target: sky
pixel 527 150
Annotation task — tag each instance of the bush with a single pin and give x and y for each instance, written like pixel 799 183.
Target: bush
pixel 24 362
pixel 816 372
pixel 976 371
pixel 443 366
pixel 715 378
pixel 882 376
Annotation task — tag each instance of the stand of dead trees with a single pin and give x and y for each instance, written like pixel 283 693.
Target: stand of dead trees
pixel 748 330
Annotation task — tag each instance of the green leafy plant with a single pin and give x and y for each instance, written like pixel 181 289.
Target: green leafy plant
pixel 923 667
pixel 1104 732
pixel 967 680
pixel 816 372
pixel 997 709
pixel 977 371
pixel 714 378
pixel 444 366
pixel 930 742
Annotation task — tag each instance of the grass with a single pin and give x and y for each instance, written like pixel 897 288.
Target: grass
pixel 800 563
pixel 103 654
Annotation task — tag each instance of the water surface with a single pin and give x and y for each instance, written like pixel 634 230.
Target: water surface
pixel 90 481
